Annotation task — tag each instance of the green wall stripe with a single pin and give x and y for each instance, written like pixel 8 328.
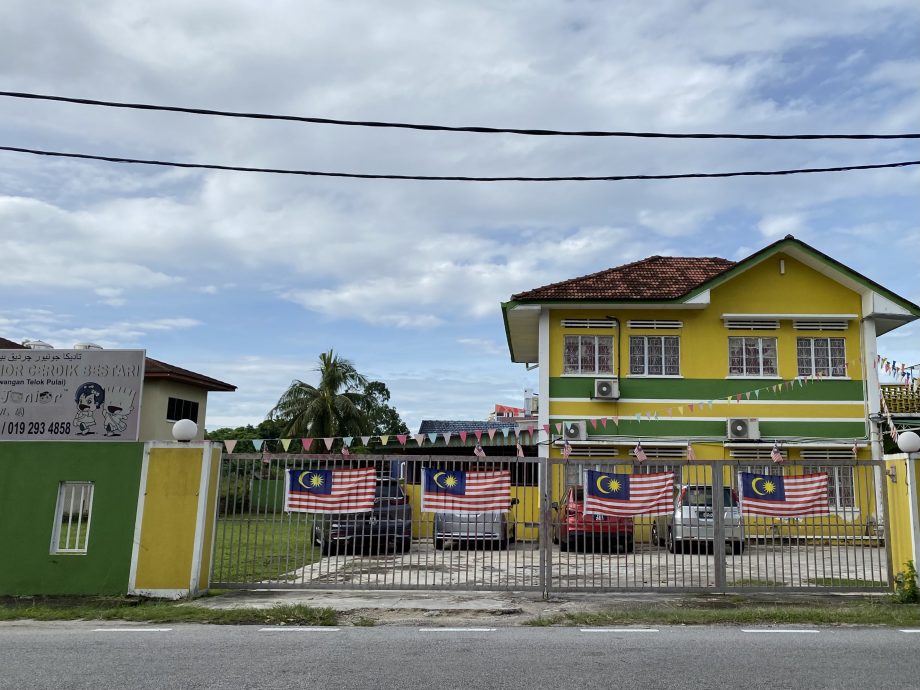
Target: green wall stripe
pixel 708 389
pixel 683 428
pixel 31 473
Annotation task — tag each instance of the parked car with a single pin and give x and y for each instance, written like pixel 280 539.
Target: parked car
pixel 388 527
pixel 494 528
pixel 692 523
pixel 573 530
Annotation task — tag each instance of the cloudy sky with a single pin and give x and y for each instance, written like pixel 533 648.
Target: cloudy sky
pixel 248 277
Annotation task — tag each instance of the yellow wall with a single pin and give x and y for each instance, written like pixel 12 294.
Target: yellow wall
pixel 169 521
pixel 704 338
pixel 156 394
pixel 526 511
pixel 209 519
pixel 899 518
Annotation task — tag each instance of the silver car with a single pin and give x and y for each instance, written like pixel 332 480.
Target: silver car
pixel 473 529
pixel 692 522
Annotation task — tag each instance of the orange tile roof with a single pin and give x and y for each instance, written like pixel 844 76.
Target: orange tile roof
pixel 654 278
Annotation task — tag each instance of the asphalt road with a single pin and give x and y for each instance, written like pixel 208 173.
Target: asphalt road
pixel 95 655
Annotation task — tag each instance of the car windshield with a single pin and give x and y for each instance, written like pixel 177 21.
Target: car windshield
pixel 388 490
pixel 701 496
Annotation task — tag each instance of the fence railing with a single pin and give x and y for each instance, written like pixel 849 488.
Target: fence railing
pixel 901 399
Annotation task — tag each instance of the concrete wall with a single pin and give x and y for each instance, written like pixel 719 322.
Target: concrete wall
pixel 903 530
pixel 154 426
pixel 31 473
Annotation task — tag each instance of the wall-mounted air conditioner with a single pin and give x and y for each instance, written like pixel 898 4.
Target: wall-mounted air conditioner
pixel 606 389
pixel 575 431
pixel 743 429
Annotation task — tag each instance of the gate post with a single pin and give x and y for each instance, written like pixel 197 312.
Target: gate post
pixel 718 525
pixel 546 541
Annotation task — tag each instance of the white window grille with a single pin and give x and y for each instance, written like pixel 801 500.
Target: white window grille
pixel 752 324
pixel 771 470
pixel 589 452
pixel 819 454
pixel 655 324
pixel 752 356
pixel 72 517
pixel 825 356
pixel 655 468
pixel 654 355
pixel 755 453
pixel 820 325
pixel 588 354
pixel 587 323
pixel 841 493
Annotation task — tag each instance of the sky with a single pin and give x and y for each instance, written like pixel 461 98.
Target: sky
pixel 248 277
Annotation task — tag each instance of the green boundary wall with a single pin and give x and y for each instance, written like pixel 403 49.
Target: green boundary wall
pixel 31 474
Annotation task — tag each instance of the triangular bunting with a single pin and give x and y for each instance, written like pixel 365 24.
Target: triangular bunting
pixel 616 420
pixel 478 434
pixel 433 438
pixel 285 443
pixel 559 428
pixel 384 439
pixel 492 434
pixel 307 442
pixel 365 441
pixel 401 438
pixel 446 436
pixel 346 441
pixel 257 444
pixel 419 438
pixel 229 445
pixel 328 441
pixel 462 435
pixel 593 423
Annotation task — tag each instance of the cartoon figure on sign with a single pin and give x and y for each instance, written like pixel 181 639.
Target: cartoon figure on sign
pixel 89 397
pixel 119 403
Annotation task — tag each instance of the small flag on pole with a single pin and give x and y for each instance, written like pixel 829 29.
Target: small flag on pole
pixel 566 449
pixel 478 451
pixel 639 453
pixel 520 450
pixel 690 454
pixel 775 454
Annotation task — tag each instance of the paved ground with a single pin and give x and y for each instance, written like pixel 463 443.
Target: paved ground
pixel 761 565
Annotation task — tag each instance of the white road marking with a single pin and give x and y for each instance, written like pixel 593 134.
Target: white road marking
pixel 456 629
pixel 911 631
pixel 620 630
pixel 776 630
pixel 132 630
pixel 287 628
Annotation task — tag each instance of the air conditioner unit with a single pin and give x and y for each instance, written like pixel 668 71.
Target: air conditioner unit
pixel 607 389
pixel 743 429
pixel 576 431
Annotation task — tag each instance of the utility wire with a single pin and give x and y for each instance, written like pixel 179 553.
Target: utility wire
pixel 444 128
pixel 454 178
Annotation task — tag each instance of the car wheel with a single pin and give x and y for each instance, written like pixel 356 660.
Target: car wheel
pixel 629 546
pixel 737 547
pixel 402 544
pixel 326 547
pixel 563 544
pixel 671 547
pixel 439 544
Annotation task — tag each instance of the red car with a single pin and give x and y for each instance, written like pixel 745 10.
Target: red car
pixel 573 530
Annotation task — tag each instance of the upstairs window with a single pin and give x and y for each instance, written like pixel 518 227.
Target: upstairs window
pixel 825 356
pixel 654 355
pixel 752 357
pixel 588 354
pixel 177 409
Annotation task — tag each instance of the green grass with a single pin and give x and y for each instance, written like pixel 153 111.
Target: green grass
pixel 747 612
pixel 143 610
pixel 256 548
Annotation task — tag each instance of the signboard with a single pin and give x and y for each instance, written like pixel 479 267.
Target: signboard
pixel 89 395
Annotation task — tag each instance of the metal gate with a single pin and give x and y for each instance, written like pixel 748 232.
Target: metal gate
pixel 544 541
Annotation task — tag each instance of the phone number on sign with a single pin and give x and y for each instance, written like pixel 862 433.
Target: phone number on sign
pixel 35 428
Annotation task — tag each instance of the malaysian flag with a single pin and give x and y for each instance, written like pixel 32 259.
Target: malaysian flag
pixel 691 456
pixel 478 451
pixel 458 491
pixel 765 494
pixel 566 449
pixel 625 495
pixel 330 491
pixel 520 450
pixel 775 454
pixel 639 453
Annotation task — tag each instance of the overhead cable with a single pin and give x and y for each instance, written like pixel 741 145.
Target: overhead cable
pixel 444 128
pixel 454 178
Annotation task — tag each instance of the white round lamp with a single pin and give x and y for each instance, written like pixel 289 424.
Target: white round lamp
pixel 184 430
pixel 909 442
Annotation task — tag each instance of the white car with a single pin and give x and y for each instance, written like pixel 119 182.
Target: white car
pixel 692 522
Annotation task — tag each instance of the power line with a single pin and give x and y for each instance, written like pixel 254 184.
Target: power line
pixel 454 178
pixel 444 128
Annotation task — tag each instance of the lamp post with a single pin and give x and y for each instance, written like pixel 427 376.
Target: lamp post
pixel 909 443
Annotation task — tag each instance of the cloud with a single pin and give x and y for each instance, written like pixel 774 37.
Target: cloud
pixel 774 226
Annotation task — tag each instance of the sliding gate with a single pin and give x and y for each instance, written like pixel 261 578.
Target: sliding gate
pixel 544 541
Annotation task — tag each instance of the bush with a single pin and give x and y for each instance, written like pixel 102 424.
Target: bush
pixel 905 585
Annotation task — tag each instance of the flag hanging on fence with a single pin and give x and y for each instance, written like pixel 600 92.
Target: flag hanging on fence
pixel 763 494
pixel 460 491
pixel 775 454
pixel 478 451
pixel 639 453
pixel 625 495
pixel 330 491
pixel 566 449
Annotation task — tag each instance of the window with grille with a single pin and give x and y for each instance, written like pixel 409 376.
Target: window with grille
pixel 654 355
pixel 177 409
pixel 72 516
pixel 588 354
pixel 752 356
pixel 841 493
pixel 825 356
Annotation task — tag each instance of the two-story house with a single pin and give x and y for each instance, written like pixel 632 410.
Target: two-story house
pixel 711 359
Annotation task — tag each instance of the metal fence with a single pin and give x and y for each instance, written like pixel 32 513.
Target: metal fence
pixel 544 541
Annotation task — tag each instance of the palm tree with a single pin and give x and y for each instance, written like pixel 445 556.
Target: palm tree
pixel 331 408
